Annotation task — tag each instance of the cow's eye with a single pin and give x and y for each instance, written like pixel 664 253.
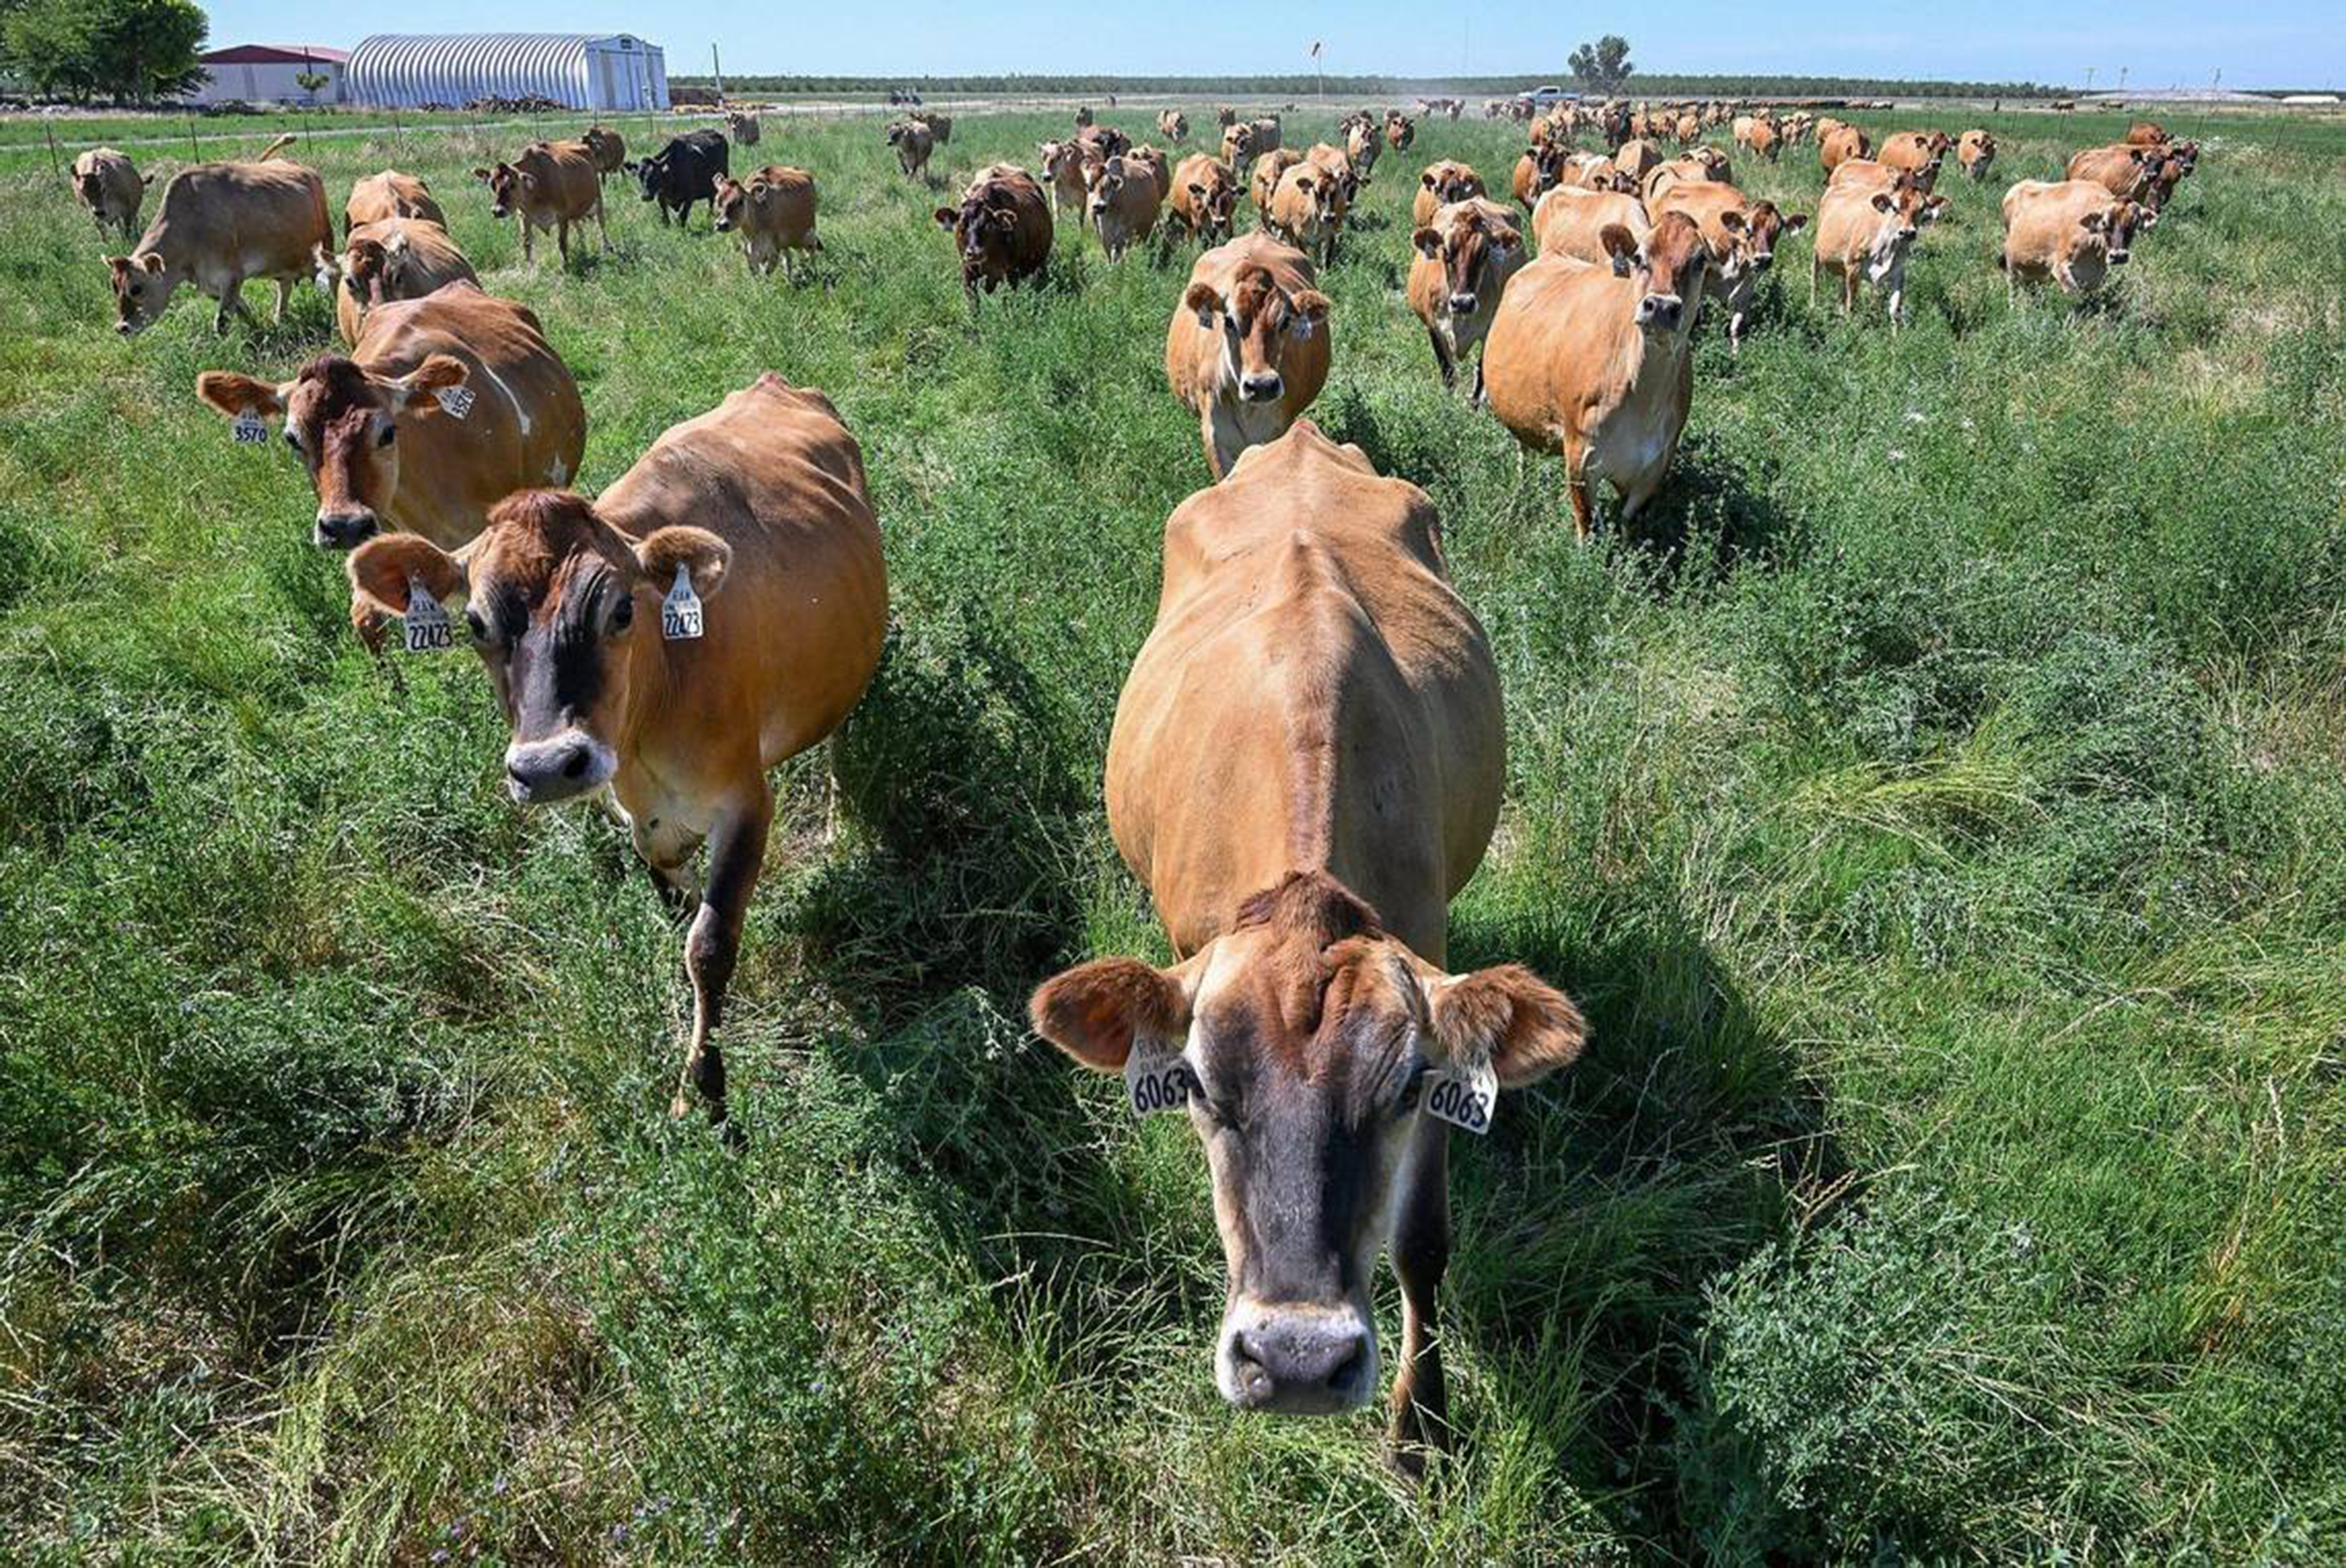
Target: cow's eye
pixel 390 433
pixel 292 438
pixel 623 613
pixel 474 624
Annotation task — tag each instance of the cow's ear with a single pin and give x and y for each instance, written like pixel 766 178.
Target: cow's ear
pixel 482 175
pixel 1310 307
pixel 1508 1016
pixel 945 217
pixel 236 395
pixel 2095 223
pixel 1426 179
pixel 761 193
pixel 146 180
pixel 697 550
pixel 1732 222
pixel 1428 243
pixel 1932 207
pixel 529 182
pixel 1619 244
pixel 1796 221
pixel 1202 301
pixel 380 569
pixel 1096 1011
pixel 437 374
pixel 148 262
pixel 1884 202
pixel 1197 191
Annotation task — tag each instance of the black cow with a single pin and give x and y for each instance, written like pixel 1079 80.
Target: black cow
pixel 685 171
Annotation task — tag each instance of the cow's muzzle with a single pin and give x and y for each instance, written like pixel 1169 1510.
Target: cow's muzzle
pixel 571 763
pixel 1461 304
pixel 1296 1359
pixel 1662 310
pixel 2118 256
pixel 1262 389
pixel 346 529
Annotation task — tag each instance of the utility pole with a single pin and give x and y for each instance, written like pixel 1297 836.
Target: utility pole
pixel 716 70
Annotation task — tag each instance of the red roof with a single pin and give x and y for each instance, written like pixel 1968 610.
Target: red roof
pixel 275 55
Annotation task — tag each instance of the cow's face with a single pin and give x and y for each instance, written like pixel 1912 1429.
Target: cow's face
pixel 370 269
pixel 143 285
pixel 509 188
pixel 983 235
pixel 1237 143
pixel 1669 269
pixel 1214 202
pixel 651 176
pixel 344 423
pixel 1761 226
pixel 1308 1034
pixel 2111 229
pixel 562 609
pixel 1256 321
pixel 1476 256
pixel 732 204
pixel 1108 181
pixel 1451 182
pixel 1903 209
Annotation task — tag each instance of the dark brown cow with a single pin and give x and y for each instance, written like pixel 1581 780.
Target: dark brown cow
pixel 1306 766
pixel 759 512
pixel 1002 230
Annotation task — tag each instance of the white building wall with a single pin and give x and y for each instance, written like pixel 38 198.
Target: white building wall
pixel 267 84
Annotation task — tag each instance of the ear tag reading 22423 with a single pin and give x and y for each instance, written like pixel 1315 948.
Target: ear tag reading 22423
pixel 1155 1080
pixel 1466 1100
pixel 680 611
pixel 427 624
pixel 249 429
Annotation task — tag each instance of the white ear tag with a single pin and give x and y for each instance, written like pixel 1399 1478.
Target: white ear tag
pixel 428 630
pixel 680 611
pixel 454 402
pixel 1468 1100
pixel 1155 1080
pixel 249 429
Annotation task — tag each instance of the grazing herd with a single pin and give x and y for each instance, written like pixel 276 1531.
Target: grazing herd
pixel 723 605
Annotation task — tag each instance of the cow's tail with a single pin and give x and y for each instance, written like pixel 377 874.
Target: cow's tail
pixel 273 149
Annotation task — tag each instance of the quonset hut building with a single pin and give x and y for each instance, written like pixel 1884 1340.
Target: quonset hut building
pixel 578 70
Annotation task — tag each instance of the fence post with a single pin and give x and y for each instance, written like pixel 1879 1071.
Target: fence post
pixel 54 166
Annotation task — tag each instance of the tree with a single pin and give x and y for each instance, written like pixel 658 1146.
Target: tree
pixel 310 81
pixel 1602 66
pixel 137 49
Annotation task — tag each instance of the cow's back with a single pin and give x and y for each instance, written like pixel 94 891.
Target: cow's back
pixel 793 633
pixel 1552 344
pixel 243 209
pixel 432 262
pixel 1314 694
pixel 566 176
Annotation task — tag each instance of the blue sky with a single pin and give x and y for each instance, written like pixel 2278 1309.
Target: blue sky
pixel 2287 43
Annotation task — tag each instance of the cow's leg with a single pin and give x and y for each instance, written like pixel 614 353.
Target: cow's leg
pixel 284 293
pixel 1480 398
pixel 601 232
pixel 736 849
pixel 1421 1253
pixel 1815 266
pixel 1441 357
pixel 1848 291
pixel 1576 483
pixel 528 241
pixel 562 238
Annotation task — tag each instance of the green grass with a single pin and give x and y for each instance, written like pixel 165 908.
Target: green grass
pixel 1937 805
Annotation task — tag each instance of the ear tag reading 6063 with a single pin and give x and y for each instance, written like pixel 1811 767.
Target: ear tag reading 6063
pixel 1468 1100
pixel 248 428
pixel 1155 1081
pixel 428 630
pixel 454 402
pixel 680 611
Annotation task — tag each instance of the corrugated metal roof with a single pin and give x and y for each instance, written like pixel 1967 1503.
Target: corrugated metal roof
pixel 273 55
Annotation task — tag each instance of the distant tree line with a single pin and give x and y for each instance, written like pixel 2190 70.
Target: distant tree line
pixel 132 51
pixel 1381 88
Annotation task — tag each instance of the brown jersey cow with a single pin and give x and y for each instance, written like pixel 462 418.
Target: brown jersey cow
pixel 1741 234
pixel 548 185
pixel 445 406
pixel 1638 159
pixel 1263 179
pixel 1205 197
pixel 606 149
pixel 219 224
pixel 1248 347
pixel 1066 179
pixel 1173 125
pixel 758 508
pixel 1975 151
pixel 1840 144
pixel 1539 171
pixel 1918 153
pixel 1593 362
pixel 914 143
pixel 774 213
pixel 390 194
pixel 109 184
pixel 2125 172
pixel 2071 231
pixel 1307 211
pixel 1863 233
pixel 1441 184
pixel 1123 201
pixel 1465 258
pixel 1002 230
pixel 393 259
pixel 1305 767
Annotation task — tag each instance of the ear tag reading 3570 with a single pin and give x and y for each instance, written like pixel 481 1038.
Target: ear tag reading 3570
pixel 1467 1100
pixel 249 429
pixel 454 402
pixel 1155 1081
pixel 680 611
pixel 428 630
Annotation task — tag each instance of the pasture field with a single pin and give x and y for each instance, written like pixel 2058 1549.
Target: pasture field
pixel 1937 802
